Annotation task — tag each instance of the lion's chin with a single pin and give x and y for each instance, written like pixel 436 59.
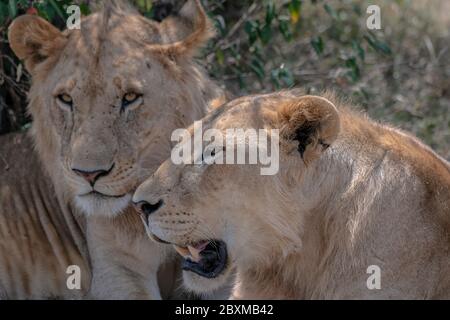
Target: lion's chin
pixel 206 266
pixel 94 204
pixel 207 287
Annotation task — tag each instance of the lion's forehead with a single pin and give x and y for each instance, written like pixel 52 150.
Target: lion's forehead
pixel 129 31
pixel 113 59
pixel 108 49
pixel 253 112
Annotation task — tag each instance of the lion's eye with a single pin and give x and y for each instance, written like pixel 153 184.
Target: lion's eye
pixel 65 99
pixel 130 98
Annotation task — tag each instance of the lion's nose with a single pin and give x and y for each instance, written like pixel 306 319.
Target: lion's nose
pixel 92 176
pixel 147 208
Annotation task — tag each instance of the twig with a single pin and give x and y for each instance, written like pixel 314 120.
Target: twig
pixel 13 83
pixel 220 44
pixel 6 163
pixel 238 24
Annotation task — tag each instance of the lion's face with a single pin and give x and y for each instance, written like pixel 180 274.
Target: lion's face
pixel 106 98
pixel 109 124
pixel 214 214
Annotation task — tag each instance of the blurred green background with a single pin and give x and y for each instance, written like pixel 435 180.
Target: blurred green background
pixel 399 74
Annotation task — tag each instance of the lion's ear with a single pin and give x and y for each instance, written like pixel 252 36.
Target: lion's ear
pixel 190 29
pixel 312 122
pixel 34 40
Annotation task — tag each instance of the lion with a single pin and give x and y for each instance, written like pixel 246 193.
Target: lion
pixel 357 210
pixel 104 101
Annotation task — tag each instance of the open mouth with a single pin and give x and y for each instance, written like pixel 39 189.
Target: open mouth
pixel 206 258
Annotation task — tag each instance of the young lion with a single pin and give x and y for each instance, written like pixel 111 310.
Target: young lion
pixel 104 100
pixel 350 194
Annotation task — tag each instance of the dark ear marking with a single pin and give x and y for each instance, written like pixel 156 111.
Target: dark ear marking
pixel 304 135
pixel 323 144
pixel 36 57
pixel 310 121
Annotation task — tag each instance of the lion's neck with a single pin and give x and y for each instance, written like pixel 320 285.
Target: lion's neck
pixel 361 183
pixel 297 261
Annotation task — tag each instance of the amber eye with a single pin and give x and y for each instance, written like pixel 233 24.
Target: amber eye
pixel 65 99
pixel 130 98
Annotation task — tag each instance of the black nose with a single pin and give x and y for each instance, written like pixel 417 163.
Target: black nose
pixel 147 208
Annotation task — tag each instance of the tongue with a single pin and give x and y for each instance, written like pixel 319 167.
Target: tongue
pixel 195 250
pixel 201 245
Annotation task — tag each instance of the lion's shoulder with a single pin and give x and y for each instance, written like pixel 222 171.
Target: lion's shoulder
pixel 18 159
pixel 31 212
pixel 405 154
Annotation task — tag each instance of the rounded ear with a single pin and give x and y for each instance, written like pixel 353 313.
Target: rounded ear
pixel 190 29
pixel 34 40
pixel 311 121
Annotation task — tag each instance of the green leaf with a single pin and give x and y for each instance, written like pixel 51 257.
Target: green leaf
pixel 23 3
pixel 12 5
pixel 220 56
pixel 270 13
pixel 330 10
pixel 283 25
pixel 317 44
pixel 240 77
pixel 265 34
pixel 357 9
pixel 287 77
pixel 251 28
pixel 144 5
pixel 45 10
pixel 3 12
pixel 274 76
pixel 84 8
pixel 282 77
pixel 354 72
pixel 258 68
pixel 378 45
pixel 26 126
pixel 58 10
pixel 358 50
pixel 220 24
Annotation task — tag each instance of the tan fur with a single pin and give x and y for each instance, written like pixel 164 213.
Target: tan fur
pixel 45 223
pixel 375 196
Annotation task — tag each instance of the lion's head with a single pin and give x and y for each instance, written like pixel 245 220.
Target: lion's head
pixel 105 98
pixel 219 215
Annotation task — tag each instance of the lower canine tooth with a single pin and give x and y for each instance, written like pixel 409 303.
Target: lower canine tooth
pixel 195 253
pixel 182 251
